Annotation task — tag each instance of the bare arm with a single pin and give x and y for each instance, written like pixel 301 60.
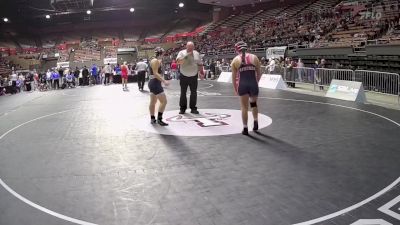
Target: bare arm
pixel 234 76
pixel 258 69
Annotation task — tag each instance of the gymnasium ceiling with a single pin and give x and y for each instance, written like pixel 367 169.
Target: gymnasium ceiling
pixel 32 13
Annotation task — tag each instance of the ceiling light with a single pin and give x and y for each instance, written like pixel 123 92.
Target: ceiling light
pixel 88 12
pixel 47 16
pixel 5 20
pixel 181 5
pixel 132 10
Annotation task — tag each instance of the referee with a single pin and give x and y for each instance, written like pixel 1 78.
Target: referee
pixel 190 65
pixel 141 68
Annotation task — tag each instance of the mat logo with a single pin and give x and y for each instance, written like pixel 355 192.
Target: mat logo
pixel 205 120
pixel 391 209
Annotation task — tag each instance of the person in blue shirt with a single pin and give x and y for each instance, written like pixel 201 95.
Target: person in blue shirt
pixel 94 73
pixel 55 76
pixel 117 70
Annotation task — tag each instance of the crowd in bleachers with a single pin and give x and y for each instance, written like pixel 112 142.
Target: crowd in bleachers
pixel 110 52
pixel 323 26
pixel 89 51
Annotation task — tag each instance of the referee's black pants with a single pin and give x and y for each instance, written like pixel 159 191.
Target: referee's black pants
pixel 141 78
pixel 192 83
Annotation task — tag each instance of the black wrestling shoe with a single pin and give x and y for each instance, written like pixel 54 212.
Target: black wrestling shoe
pixel 194 111
pixel 255 128
pixel 162 123
pixel 245 131
pixel 153 121
pixel 182 112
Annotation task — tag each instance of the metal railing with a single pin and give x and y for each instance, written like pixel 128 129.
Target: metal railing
pixel 300 75
pixel 325 76
pixel 380 82
pixel 373 81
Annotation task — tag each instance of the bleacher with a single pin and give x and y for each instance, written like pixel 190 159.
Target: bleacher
pixel 26 43
pixel 264 15
pixel 84 55
pixel 110 52
pixel 132 35
pixel 105 35
pixel 4 68
pixel 362 28
pixel 213 26
pixel 296 8
pixel 240 19
pixel 7 44
pixel 321 5
pixel 64 56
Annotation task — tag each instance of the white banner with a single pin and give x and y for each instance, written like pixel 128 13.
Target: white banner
pixel 225 77
pixel 272 81
pixel 276 52
pixel 346 90
pixel 63 64
pixel 110 60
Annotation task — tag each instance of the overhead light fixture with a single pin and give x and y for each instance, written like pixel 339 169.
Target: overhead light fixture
pixel 132 10
pixel 47 16
pixel 5 20
pixel 88 12
pixel 181 5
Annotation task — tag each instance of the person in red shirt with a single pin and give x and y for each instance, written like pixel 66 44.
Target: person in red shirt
pixel 124 76
pixel 174 70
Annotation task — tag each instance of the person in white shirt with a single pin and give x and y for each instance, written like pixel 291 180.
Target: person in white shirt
pixel 271 66
pixel 48 79
pixel 190 65
pixel 300 70
pixel 108 72
pixel 141 68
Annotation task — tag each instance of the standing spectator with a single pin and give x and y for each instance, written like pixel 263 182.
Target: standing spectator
pixel 48 79
pixel 300 70
pixel 76 75
pixel 190 65
pixel 213 72
pixel 61 73
pixel 14 78
pixel 108 73
pixel 35 79
pixel 95 73
pixel 271 66
pixel 85 75
pixel 174 70
pixel 55 76
pixel 317 75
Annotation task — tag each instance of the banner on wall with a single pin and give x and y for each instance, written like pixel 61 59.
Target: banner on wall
pixel 63 64
pixel 276 52
pixel 110 61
